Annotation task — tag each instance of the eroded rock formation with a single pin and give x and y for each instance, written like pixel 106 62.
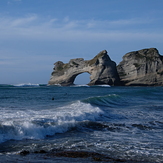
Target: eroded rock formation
pixel 138 68
pixel 101 68
pixel 142 68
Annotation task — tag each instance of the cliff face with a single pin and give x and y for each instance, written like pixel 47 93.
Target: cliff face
pixel 143 67
pixel 101 68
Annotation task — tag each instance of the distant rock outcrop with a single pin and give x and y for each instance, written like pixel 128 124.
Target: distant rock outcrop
pixel 138 68
pixel 142 68
pixel 101 68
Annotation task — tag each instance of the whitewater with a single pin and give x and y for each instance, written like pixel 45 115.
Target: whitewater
pixel 108 124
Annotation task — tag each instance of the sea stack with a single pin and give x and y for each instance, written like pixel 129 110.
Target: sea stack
pixel 101 68
pixel 142 68
pixel 138 68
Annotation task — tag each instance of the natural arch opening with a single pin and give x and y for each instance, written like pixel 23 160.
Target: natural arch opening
pixel 83 78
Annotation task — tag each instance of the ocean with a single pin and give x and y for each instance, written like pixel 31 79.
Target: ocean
pixel 80 123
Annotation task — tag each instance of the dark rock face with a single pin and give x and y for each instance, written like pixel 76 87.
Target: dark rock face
pixel 101 68
pixel 142 68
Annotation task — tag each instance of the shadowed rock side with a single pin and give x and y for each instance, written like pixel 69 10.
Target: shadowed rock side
pixel 101 68
pixel 142 68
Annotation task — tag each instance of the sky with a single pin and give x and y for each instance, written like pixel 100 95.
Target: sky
pixel 34 34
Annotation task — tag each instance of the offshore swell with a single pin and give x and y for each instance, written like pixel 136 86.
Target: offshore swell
pixel 124 123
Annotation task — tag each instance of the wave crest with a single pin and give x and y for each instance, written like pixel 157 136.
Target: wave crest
pixel 111 100
pixel 26 85
pixel 39 124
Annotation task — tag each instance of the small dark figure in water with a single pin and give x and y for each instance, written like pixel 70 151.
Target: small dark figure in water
pixel 53 98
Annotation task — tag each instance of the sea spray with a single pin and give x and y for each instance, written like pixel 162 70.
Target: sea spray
pixel 39 124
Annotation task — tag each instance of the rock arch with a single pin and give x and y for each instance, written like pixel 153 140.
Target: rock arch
pixel 101 68
pixel 83 78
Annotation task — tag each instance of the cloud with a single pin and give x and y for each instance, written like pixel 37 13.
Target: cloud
pixel 66 19
pixel 23 21
pixel 126 22
pixel 10 2
pixel 4 62
pixel 36 28
pixel 31 44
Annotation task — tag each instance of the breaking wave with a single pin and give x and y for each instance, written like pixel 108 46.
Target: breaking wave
pixel 31 124
pixel 21 85
pixel 26 85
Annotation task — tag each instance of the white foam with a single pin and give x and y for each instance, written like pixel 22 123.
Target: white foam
pixel 26 85
pixel 105 85
pixel 80 85
pixel 32 124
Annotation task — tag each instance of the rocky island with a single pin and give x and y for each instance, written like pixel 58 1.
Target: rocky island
pixel 142 68
pixel 138 68
pixel 101 68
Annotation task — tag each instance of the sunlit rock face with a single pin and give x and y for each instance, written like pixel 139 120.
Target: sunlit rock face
pixel 101 68
pixel 138 68
pixel 142 68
